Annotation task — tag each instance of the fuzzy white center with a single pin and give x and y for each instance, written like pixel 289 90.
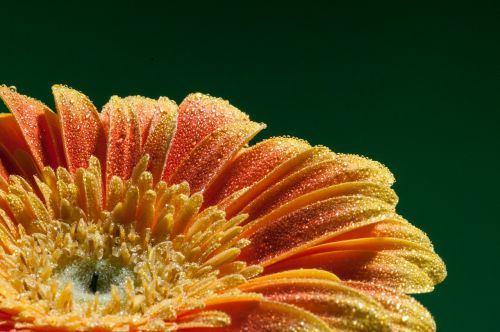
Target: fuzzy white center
pixel 90 277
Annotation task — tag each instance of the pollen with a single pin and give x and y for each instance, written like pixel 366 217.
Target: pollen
pixel 77 252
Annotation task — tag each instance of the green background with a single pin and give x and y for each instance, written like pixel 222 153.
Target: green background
pixel 415 87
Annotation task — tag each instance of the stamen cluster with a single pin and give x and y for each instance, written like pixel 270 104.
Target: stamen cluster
pixel 137 257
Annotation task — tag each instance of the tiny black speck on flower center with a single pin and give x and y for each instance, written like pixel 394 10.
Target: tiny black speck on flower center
pixel 93 282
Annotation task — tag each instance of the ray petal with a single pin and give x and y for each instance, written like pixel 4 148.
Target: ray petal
pixel 145 109
pixel 342 307
pixel 83 135
pixel 279 234
pixel 14 148
pixel 252 164
pixel 343 168
pixel 211 155
pixel 30 115
pixel 420 256
pixel 199 115
pixel 236 202
pixel 4 174
pixel 54 141
pixel 364 265
pixel 405 313
pixel 394 227
pixel 160 137
pixel 6 323
pixel 124 141
pixel 260 315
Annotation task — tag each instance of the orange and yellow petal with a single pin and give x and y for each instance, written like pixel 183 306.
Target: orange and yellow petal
pixel 294 227
pixel 340 169
pixel 248 313
pixel 364 265
pixel 405 313
pixel 252 164
pixel 234 203
pixel 342 307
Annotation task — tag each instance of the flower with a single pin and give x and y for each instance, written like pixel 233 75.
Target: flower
pixel 150 216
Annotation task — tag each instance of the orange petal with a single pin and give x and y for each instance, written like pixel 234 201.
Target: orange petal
pixel 11 137
pixel 405 313
pixel 145 109
pixel 160 136
pixel 260 315
pixel 199 115
pixel 4 184
pixel 342 307
pixel 211 155
pixel 364 265
pixel 234 203
pixel 14 148
pixel 124 142
pixel 302 223
pixel 395 228
pixel 83 135
pixel 420 256
pixel 3 171
pixel 30 117
pixel 253 164
pixel 343 168
pixel 6 323
pixel 54 141
pixel 356 189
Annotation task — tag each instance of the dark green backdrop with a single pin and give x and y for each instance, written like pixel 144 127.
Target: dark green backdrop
pixel 416 87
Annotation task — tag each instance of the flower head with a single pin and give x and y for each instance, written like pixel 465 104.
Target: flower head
pixel 150 216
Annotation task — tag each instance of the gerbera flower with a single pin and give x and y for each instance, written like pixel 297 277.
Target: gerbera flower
pixel 150 216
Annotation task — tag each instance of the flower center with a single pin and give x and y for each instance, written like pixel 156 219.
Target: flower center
pixel 137 256
pixel 91 277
